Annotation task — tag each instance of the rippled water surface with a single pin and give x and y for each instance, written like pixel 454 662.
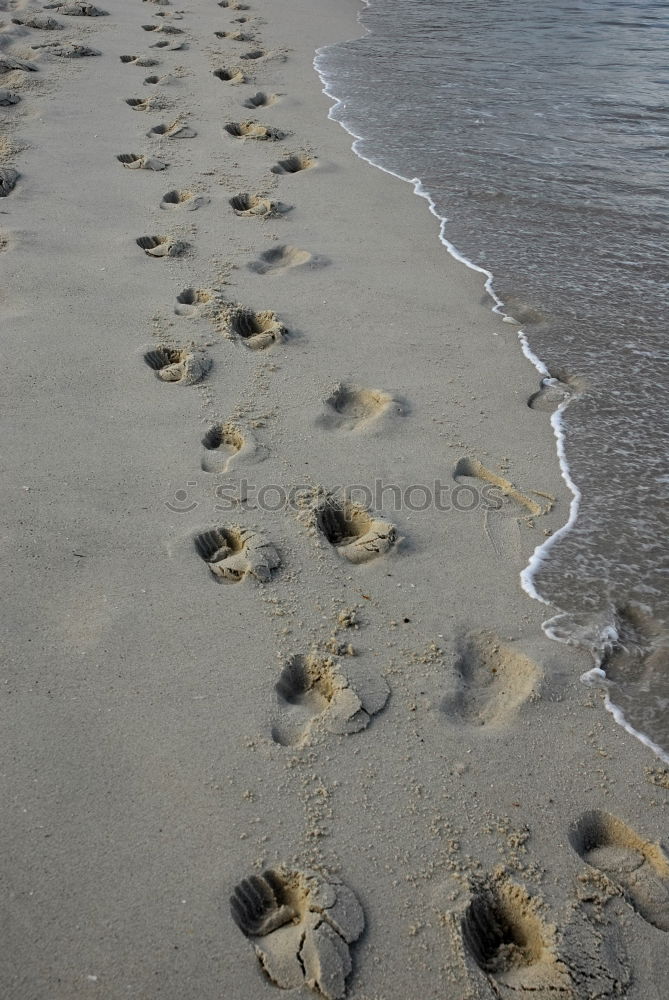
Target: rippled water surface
pixel 541 133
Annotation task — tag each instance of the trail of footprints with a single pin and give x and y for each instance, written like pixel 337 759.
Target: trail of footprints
pixel 302 925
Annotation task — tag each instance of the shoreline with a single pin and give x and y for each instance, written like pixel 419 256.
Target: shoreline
pixel 167 745
pixel 608 634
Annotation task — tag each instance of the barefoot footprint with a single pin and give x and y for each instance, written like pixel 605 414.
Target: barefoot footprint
pixel 489 683
pixel 356 408
pixel 260 100
pixel 638 867
pixel 282 258
pixel 301 927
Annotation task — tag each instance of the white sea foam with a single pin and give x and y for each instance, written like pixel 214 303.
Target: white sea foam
pixel 597 678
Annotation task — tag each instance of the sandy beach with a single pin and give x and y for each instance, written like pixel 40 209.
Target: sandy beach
pixel 270 477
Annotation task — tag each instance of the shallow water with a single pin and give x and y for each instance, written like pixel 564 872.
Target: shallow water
pixel 541 135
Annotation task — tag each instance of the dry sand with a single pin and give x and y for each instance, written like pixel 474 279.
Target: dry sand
pixel 361 704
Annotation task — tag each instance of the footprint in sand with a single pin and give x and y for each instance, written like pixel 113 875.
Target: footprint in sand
pixel 168 46
pixel 8 179
pixel 301 927
pixel 39 21
pixel 254 54
pixel 228 445
pixel 9 65
pixel 165 29
pixel 637 660
pixel 140 60
pixel 555 392
pixel 233 5
pixel 470 471
pixel 282 258
pixel 257 330
pixel 256 205
pixel 172 130
pixel 161 246
pixel 184 366
pixel 235 36
pixel 639 868
pixel 294 163
pixel 504 507
pixel 157 81
pixel 183 199
pixel 7 98
pixel 138 161
pixel 233 553
pixel 69 51
pixel 76 9
pixel 253 130
pixel 351 530
pixel 261 100
pixel 489 683
pixel 141 103
pixel 321 692
pixel 503 931
pixel 551 395
pixel 194 301
pixel 234 75
pixel 355 408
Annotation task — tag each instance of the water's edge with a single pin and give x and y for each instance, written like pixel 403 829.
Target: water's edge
pixel 600 646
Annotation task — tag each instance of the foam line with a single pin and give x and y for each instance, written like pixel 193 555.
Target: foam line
pixel 597 678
